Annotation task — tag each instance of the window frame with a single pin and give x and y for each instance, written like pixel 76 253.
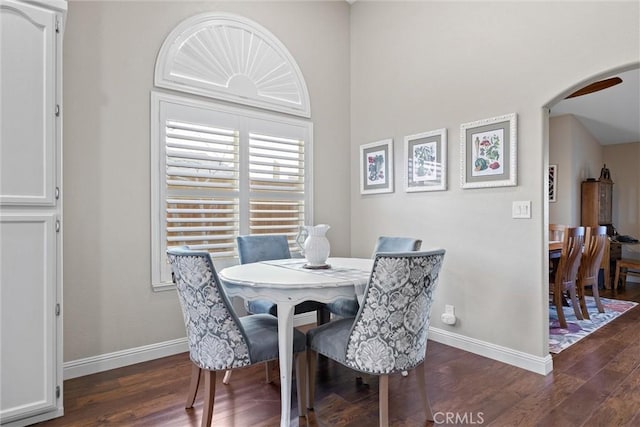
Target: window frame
pixel 160 274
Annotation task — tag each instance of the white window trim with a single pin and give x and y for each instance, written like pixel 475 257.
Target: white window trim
pixel 160 274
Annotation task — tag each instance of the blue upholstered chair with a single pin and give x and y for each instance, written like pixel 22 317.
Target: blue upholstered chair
pixel 348 307
pixel 389 333
pixel 219 340
pixel 257 248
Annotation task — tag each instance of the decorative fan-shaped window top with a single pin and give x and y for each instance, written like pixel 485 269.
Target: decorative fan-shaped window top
pixel 229 57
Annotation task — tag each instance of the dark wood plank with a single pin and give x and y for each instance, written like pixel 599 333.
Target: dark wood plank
pixel 594 382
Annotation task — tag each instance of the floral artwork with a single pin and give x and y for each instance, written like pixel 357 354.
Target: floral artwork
pixel 375 168
pixel 488 153
pixel 424 162
pixel 425 156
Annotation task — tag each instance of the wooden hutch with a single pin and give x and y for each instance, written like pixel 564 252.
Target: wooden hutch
pixel 597 207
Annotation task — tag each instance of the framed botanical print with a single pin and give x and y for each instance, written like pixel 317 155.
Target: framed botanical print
pixel 488 152
pixel 376 167
pixel 426 160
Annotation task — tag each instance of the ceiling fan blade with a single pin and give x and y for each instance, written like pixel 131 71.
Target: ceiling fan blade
pixel 596 86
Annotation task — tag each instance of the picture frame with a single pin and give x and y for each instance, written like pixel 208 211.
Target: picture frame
pixel 553 182
pixel 425 155
pixel 488 152
pixel 376 167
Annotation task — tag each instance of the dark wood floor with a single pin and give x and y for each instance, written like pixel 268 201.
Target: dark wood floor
pixel 596 382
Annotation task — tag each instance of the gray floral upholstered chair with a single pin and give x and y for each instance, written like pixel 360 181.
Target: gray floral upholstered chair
pixel 219 340
pixel 256 248
pixel 348 307
pixel 389 333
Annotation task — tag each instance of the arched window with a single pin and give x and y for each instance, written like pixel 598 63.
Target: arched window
pixel 229 57
pixel 219 171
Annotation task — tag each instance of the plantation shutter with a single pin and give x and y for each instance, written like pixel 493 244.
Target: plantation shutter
pixel 202 187
pixel 276 184
pixel 223 172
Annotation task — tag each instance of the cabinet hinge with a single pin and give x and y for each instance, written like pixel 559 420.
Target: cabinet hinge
pixel 57 309
pixel 57 110
pixel 57 25
pixel 57 226
pixel 57 392
pixel 57 193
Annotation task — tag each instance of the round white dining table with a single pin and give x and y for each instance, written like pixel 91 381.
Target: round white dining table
pixel 287 282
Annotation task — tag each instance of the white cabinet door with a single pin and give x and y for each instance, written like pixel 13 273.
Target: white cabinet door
pixel 30 212
pixel 28 358
pixel 28 103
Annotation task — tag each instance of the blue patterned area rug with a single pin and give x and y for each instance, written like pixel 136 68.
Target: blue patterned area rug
pixel 560 338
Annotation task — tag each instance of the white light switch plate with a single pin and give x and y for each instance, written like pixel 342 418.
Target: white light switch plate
pixel 521 209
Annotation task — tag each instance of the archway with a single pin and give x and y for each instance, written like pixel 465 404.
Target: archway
pixel 573 167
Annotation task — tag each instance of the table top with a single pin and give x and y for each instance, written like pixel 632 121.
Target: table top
pixel 286 281
pixel 555 245
pixel 291 274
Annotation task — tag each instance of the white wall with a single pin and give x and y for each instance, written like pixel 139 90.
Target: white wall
pixel 563 211
pixel 110 50
pixel 623 161
pixel 418 66
pixel 578 156
pixel 408 67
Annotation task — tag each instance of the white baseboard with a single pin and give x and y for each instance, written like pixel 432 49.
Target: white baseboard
pixel 118 359
pixel 22 422
pixel 539 365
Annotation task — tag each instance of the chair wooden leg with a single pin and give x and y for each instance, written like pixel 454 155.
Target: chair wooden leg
pixel 383 390
pixel 575 303
pixel 209 396
pixel 193 385
pixel 420 374
pixel 227 377
pixel 312 362
pixel 582 300
pixel 596 297
pixel 268 370
pixel 623 277
pixel 557 300
pixel 583 308
pixel 616 278
pixel 301 382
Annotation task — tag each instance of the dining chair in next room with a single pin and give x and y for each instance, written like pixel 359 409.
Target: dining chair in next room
pixel 565 277
pixel 595 243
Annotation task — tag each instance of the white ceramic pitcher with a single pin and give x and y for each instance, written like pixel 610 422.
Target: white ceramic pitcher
pixel 314 243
